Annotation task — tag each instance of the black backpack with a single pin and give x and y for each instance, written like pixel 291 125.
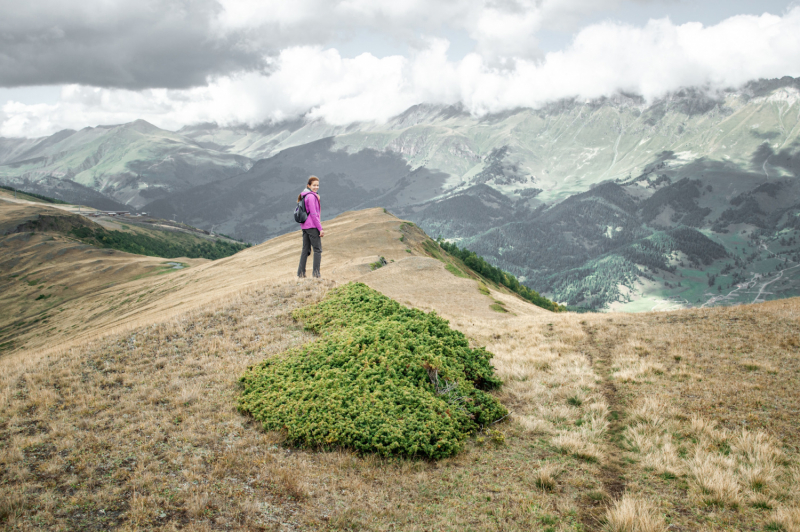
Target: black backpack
pixel 300 214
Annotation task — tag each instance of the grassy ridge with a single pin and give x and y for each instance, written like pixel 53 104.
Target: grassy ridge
pixel 46 199
pixel 382 378
pixel 142 244
pixel 479 265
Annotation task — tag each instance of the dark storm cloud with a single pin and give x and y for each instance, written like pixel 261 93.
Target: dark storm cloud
pixel 123 44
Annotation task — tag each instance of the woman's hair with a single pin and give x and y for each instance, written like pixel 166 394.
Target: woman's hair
pixel 311 179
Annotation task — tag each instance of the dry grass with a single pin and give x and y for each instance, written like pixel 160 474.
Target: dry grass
pixel 725 469
pixel 631 514
pixel 42 274
pixel 631 362
pixel 670 421
pixel 694 411
pixel 715 480
pixel 556 396
pixel 93 292
pixel 787 519
pixel 579 445
pixel 549 385
pixel 700 421
pixel 546 477
pixel 139 431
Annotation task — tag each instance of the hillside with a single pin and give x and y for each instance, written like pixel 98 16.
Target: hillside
pixel 686 419
pixel 54 259
pixel 189 287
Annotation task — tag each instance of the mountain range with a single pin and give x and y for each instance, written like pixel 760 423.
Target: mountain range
pixel 614 203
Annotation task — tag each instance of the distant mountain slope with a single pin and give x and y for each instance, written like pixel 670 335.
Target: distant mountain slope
pixel 72 192
pixel 675 244
pixel 259 203
pixel 567 146
pixel 130 164
pixel 528 188
pixel 562 148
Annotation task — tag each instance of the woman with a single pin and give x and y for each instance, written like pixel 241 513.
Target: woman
pixel 312 227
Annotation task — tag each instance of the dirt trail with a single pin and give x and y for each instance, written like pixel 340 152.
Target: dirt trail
pixel 599 348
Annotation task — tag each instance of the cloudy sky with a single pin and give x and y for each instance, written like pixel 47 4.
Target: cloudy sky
pixel 70 64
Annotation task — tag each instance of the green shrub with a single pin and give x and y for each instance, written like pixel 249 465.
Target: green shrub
pixel 433 250
pixel 380 263
pixel 382 378
pixel 479 265
pixel 498 306
pixel 455 271
pixel 141 244
pixel 498 438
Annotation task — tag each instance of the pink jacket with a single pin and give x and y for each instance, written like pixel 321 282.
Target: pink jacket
pixel 313 209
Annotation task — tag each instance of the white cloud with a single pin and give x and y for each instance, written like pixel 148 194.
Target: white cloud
pixel 500 28
pixel 310 80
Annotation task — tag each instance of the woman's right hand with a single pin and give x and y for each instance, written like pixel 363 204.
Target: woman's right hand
pixel 321 233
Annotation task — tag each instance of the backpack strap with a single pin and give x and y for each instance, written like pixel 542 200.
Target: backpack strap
pixel 310 192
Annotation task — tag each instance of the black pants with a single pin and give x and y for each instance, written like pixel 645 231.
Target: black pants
pixel 311 239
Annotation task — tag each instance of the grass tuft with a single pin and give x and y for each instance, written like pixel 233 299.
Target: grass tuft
pixel 714 478
pixel 596 496
pixel 12 505
pixel 548 519
pixel 630 514
pixel 785 519
pixel 545 477
pixel 575 400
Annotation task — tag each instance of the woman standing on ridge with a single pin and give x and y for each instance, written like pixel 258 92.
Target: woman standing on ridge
pixel 312 227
